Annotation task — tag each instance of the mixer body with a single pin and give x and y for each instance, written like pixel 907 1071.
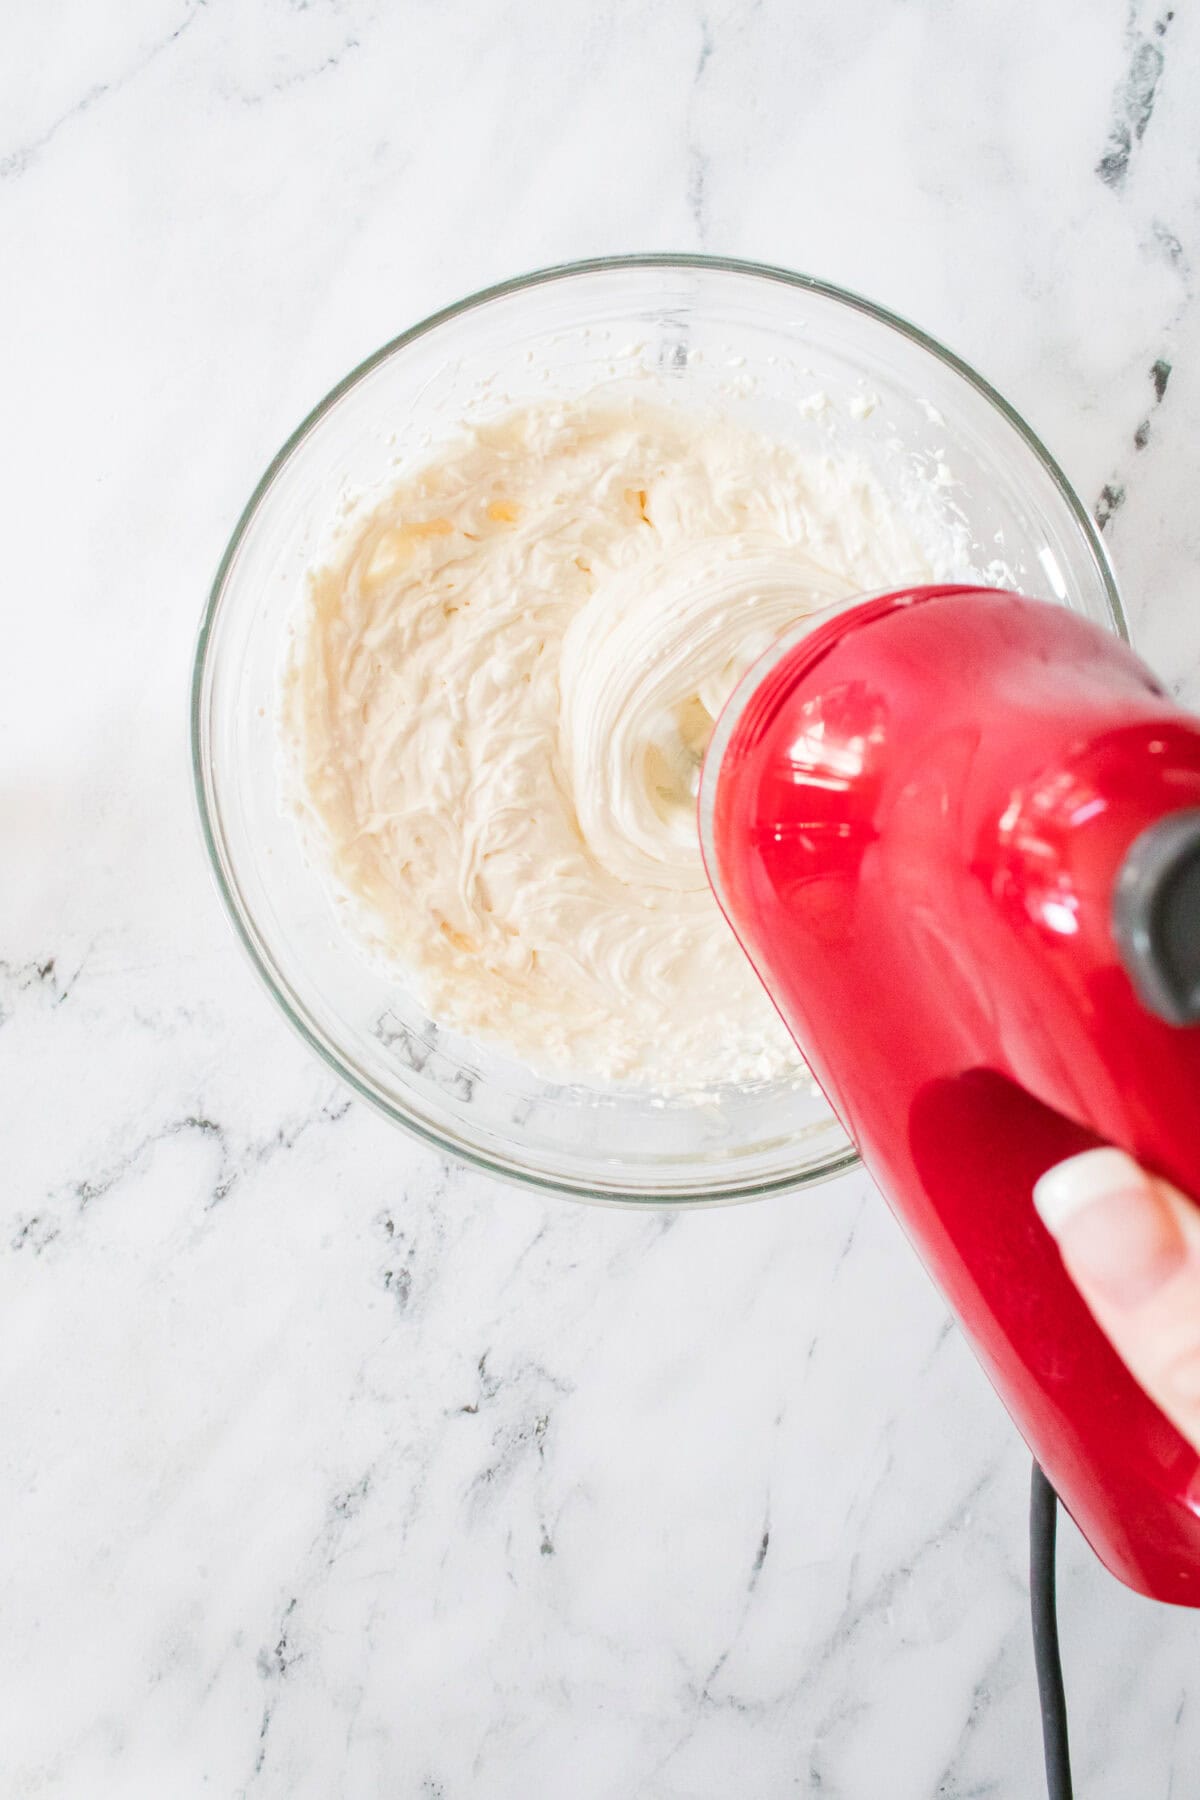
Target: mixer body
pixel 915 815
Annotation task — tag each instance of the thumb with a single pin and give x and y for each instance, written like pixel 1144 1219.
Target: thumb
pixel 1131 1244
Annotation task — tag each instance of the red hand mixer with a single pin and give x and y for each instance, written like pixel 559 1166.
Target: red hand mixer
pixel 958 834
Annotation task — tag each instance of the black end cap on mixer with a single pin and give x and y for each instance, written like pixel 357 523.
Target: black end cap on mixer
pixel 1156 917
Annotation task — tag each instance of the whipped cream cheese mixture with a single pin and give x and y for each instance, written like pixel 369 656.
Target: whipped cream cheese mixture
pixel 496 703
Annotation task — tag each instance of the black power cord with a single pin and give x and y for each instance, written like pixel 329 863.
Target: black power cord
pixel 1043 1530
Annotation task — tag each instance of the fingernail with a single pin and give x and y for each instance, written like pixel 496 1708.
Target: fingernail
pixel 1113 1227
pixel 1079 1181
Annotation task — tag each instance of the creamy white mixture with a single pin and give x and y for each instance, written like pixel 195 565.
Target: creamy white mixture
pixel 497 702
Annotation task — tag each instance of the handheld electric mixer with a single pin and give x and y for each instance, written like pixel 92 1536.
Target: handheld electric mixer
pixel 958 834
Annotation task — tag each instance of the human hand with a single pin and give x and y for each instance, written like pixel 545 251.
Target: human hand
pixel 1131 1245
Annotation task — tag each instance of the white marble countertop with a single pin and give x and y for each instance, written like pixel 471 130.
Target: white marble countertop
pixel 326 1469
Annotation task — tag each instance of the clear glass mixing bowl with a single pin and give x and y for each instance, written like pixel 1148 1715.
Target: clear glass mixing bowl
pixel 785 353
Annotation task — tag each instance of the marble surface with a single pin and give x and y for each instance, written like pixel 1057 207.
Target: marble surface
pixel 327 1469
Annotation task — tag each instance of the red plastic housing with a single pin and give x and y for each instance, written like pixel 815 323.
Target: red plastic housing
pixel 914 817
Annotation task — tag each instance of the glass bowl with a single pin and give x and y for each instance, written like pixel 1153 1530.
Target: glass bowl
pixel 784 353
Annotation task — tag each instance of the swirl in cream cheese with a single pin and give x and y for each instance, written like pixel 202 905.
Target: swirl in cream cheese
pixel 497 703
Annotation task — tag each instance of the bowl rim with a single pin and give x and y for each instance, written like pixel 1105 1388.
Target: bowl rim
pixel 595 1191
